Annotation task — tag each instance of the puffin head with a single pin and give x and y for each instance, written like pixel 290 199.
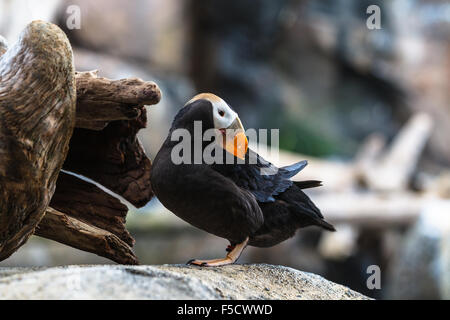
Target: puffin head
pixel 230 133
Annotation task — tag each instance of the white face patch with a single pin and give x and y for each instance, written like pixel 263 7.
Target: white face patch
pixel 229 132
pixel 223 115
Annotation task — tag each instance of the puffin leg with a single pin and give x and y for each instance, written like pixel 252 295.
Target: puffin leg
pixel 231 257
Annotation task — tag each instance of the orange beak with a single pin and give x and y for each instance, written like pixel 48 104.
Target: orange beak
pixel 235 141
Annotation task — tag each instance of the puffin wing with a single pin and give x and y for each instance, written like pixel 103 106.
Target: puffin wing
pixel 260 177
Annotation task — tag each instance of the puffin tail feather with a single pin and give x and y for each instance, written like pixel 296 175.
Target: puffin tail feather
pixel 308 184
pixel 325 225
pixel 293 169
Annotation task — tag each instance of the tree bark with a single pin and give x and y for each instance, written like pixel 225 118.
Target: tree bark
pixel 38 98
pixel 101 100
pixel 37 116
pixel 88 203
pixel 114 158
pixel 68 230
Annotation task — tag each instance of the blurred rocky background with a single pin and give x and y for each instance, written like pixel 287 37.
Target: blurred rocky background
pixel 370 108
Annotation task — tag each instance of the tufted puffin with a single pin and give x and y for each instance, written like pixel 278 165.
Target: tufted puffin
pixel 247 201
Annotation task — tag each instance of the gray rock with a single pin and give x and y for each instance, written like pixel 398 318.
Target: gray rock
pixel 259 281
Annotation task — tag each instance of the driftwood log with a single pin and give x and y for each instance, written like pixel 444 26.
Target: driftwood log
pixel 101 100
pixel 53 118
pixel 37 115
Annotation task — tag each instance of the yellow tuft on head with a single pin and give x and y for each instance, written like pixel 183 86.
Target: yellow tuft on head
pixel 207 96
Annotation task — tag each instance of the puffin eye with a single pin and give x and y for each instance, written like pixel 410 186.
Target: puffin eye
pixel 221 113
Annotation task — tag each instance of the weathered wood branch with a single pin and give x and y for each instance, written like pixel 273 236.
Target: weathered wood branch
pixel 113 157
pixel 68 230
pixel 88 203
pixel 37 116
pixel 101 100
pixel 85 217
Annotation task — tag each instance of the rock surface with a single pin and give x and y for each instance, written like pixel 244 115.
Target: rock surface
pixel 259 281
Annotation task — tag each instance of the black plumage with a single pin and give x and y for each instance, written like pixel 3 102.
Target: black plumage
pixel 252 202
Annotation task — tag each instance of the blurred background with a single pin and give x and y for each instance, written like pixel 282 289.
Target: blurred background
pixel 370 109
